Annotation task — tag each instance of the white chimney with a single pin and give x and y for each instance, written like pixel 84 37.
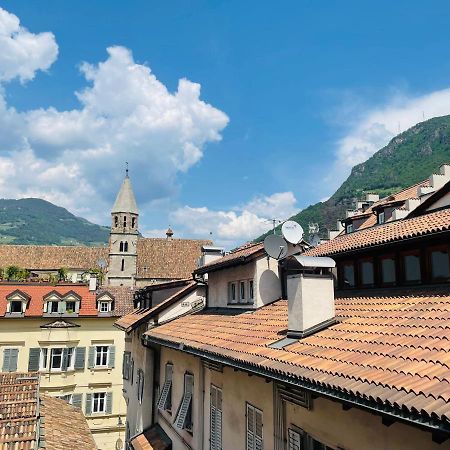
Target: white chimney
pixel 209 254
pixel 310 296
pixel 92 282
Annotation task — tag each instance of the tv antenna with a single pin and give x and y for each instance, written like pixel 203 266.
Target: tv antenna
pixel 274 222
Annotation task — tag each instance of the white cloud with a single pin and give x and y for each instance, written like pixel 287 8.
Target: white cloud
pixel 240 224
pixel 373 129
pixel 23 53
pixel 75 158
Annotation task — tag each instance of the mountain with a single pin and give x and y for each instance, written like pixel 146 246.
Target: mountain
pixel 409 158
pixel 36 221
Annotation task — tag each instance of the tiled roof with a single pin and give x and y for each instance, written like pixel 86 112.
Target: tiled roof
pixel 65 426
pixel 38 291
pixel 46 257
pixel 138 316
pixel 168 258
pixel 154 438
pixel 239 256
pixel 18 410
pixel 123 298
pixel 382 234
pixel 392 349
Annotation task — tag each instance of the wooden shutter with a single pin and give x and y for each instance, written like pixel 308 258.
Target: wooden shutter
pixel 295 440
pixel 88 405
pixel 126 365
pixel 77 400
pixel 6 359
pixel 111 356
pixel 186 403
pixel 91 357
pixel 65 361
pixel 254 428
pixel 109 397
pixel 61 307
pixel 258 430
pixel 80 356
pixel 33 359
pixel 13 356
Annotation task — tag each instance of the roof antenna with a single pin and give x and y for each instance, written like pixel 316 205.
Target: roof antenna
pixel 126 169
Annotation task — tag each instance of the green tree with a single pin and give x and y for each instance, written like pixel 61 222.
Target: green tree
pixel 12 273
pixel 62 274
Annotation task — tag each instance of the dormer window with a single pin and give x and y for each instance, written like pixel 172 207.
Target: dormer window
pixel 17 303
pixel 52 307
pixel 55 303
pixel 105 303
pixel 381 217
pixel 349 228
pixel 104 306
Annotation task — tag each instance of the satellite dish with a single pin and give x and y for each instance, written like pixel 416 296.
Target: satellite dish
pixel 275 246
pixel 292 232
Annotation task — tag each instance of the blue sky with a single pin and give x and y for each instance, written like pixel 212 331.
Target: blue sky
pixel 292 94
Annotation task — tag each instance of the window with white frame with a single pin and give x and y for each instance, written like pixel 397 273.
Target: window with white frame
pixel 165 399
pixel 53 307
pixel 99 402
pixel 232 292
pixel 140 385
pixel 215 418
pixel 251 292
pixel 349 228
pixel 57 359
pixel 183 420
pixel 381 217
pixel 101 355
pixel 242 293
pixel 254 428
pixel 104 306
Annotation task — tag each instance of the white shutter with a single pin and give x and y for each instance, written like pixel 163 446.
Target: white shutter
pixel 165 399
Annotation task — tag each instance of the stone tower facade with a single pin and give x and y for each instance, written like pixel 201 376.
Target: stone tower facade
pixel 123 237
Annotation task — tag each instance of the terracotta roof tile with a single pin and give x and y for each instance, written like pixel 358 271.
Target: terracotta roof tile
pixel 168 258
pixel 240 255
pixel 433 222
pixel 65 426
pixel 123 298
pixel 389 347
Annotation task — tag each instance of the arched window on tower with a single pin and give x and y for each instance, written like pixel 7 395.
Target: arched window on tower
pixel 124 221
pixel 116 221
pixel 121 247
pixel 125 246
pixel 122 267
pixel 133 222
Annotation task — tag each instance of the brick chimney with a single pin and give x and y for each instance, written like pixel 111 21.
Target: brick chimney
pixel 310 295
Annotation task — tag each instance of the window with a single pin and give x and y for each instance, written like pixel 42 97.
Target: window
pixel 242 291
pixel 126 365
pixel 381 217
pixel 165 399
pixel 299 440
pixel 101 355
pixel 52 307
pixel 16 306
pixel 411 267
pixel 184 416
pixel 99 402
pixel 133 222
pixel 250 291
pixel 56 358
pixel 125 246
pixel 232 297
pixel 140 385
pixel 216 418
pixel 67 397
pixel 254 430
pixel 10 357
pixel 116 221
pixel 440 268
pixel 43 359
pixel 367 273
pixel 122 267
pixel 348 274
pixel 388 270
pixel 70 306
pixel 349 228
pixel 124 221
pixel 121 247
pixel 104 306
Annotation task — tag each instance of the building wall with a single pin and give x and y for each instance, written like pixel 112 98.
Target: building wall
pixel 263 272
pixel 326 421
pixel 91 332
pixel 184 305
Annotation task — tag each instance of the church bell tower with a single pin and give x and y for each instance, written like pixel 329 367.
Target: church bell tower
pixel 123 237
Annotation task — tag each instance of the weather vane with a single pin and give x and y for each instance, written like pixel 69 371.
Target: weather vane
pixel 126 168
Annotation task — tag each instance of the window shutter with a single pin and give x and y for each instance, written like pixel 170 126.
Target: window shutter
pixel 77 400
pixel 91 358
pixel 14 354
pixel 88 405
pixel 183 412
pixel 126 365
pixel 250 427
pixel 112 356
pixel 294 440
pixel 132 371
pixel 6 359
pixel 109 402
pixel 164 397
pixel 33 359
pixel 219 419
pixel 258 430
pixel 64 360
pixel 61 307
pixel 80 356
pixel 216 418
